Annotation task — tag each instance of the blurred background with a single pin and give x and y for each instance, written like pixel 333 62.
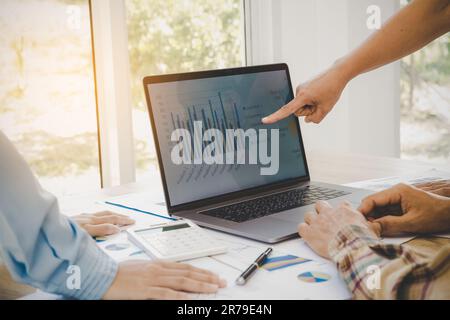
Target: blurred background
pixel 49 84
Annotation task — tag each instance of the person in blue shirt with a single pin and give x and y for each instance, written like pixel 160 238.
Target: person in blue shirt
pixel 40 246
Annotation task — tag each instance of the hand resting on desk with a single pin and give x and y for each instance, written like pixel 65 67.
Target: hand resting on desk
pixel 346 237
pixel 402 209
pixel 320 228
pixel 140 280
pixel 103 223
pixel 144 279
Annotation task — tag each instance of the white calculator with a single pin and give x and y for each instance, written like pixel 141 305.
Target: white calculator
pixel 175 241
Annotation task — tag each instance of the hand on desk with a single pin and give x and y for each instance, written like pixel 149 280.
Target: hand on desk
pixel 102 223
pixel 144 279
pixel 320 228
pixel 422 211
pixel 139 280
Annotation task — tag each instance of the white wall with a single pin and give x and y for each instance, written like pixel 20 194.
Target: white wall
pixel 310 35
pixel 374 98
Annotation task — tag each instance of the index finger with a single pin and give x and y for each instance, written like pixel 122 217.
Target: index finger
pixel 382 198
pixel 199 276
pixel 183 266
pixel 285 111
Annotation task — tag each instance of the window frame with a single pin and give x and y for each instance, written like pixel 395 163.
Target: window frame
pixel 112 75
pixel 113 91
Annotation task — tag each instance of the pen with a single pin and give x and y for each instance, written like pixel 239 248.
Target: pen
pixel 139 210
pixel 253 267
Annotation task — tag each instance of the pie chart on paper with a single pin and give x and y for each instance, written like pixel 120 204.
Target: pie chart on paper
pixel 313 277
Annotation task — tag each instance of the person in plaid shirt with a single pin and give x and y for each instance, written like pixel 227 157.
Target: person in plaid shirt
pixel 344 234
pixel 351 238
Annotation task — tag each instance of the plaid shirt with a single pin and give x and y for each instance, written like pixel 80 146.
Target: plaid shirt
pixel 373 270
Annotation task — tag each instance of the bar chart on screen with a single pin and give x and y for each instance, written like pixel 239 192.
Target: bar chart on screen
pixel 219 109
pixel 210 136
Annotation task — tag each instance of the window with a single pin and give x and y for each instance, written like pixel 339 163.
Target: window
pixel 425 101
pixel 55 125
pixel 170 36
pixel 47 96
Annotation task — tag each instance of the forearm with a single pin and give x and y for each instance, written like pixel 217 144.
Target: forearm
pixel 37 243
pixel 351 252
pixel 407 31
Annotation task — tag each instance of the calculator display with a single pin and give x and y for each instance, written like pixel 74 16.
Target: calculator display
pixel 162 229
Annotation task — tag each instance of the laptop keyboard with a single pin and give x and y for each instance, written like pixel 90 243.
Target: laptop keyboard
pixel 264 206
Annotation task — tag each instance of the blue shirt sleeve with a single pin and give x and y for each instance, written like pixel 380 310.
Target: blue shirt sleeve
pixel 38 244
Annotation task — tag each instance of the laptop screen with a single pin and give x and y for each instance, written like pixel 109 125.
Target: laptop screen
pixel 211 139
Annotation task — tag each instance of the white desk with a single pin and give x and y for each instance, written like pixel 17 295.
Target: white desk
pixel 333 168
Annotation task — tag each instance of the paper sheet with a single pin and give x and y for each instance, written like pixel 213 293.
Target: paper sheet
pixel 388 182
pixel 145 201
pixel 277 284
pixel 241 252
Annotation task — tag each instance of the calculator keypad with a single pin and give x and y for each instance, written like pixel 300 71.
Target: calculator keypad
pixel 180 241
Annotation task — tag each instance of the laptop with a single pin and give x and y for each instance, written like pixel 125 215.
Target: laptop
pixel 220 166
